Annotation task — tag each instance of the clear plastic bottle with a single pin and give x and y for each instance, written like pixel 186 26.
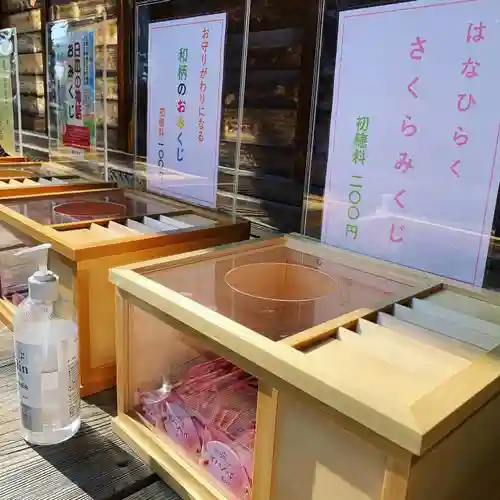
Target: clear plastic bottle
pixel 46 348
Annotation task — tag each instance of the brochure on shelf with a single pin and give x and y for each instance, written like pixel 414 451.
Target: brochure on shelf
pixel 11 140
pixel 77 119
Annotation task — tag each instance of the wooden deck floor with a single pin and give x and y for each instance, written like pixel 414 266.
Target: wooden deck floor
pixel 94 465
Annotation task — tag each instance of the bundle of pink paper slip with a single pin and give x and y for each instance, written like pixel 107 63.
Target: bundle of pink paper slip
pixel 210 411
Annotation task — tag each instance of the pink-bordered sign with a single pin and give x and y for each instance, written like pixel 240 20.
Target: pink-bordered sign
pixel 412 167
pixel 185 76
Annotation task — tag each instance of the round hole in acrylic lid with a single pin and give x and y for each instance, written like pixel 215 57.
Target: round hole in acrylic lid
pixel 7 173
pixel 88 210
pixel 279 281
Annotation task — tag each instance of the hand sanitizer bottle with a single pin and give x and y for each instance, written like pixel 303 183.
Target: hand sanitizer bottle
pixel 46 348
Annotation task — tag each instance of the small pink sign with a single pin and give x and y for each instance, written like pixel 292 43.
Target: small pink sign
pixel 226 467
pixel 181 428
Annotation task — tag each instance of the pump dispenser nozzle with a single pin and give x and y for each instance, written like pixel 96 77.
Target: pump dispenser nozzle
pixel 43 284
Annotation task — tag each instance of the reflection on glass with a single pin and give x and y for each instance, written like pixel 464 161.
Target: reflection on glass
pixel 87 206
pixel 450 236
pixel 195 401
pixel 277 292
pixel 10 112
pixel 76 113
pixel 191 166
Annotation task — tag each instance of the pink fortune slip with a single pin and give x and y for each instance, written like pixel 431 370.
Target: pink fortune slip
pixel 211 413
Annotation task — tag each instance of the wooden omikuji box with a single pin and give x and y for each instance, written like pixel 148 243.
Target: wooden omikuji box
pixel 13 159
pixel 13 162
pixel 94 230
pixel 10 168
pixel 14 186
pixel 282 369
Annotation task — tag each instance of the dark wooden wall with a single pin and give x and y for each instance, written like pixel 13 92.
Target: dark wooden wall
pixel 278 117
pixel 278 98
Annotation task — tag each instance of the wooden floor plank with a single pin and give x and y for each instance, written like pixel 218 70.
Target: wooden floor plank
pixel 6 345
pixel 156 491
pixel 95 464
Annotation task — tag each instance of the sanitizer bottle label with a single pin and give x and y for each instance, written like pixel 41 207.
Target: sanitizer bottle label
pixel 48 384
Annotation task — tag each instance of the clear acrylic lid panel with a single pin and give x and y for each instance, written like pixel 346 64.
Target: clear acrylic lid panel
pixel 404 164
pixel 86 207
pixel 10 112
pixel 187 58
pixel 277 292
pixel 77 115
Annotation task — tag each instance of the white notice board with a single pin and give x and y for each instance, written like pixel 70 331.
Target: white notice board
pixel 185 71
pixel 413 172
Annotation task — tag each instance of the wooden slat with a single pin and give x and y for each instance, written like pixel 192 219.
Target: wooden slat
pixel 464 320
pixel 439 341
pixel 446 327
pixel 466 305
pixel 94 464
pixel 6 345
pixel 156 491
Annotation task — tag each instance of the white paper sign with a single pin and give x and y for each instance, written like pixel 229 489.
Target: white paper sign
pixel 186 59
pixel 413 171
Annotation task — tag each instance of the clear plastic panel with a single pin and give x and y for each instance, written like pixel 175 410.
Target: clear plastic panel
pixel 277 292
pixel 187 59
pixel 277 106
pixel 197 403
pixel 105 88
pixel 77 59
pixel 14 270
pixel 404 162
pixel 82 207
pixel 19 171
pixel 14 273
pixel 11 138
pixel 6 346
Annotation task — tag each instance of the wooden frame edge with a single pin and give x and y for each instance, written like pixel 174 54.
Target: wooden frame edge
pixel 175 471
pixel 122 320
pixel 265 442
pixel 20 164
pixel 36 196
pixel 396 478
pixel 107 248
pixel 457 398
pixel 21 192
pixel 7 312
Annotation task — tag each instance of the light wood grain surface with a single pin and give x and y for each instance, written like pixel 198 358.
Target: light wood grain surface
pixel 156 491
pixel 94 465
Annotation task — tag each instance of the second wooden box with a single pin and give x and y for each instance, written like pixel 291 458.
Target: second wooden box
pixel 95 230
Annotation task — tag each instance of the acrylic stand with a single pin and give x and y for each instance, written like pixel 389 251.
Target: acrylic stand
pixel 180 71
pixel 77 119
pixel 11 140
